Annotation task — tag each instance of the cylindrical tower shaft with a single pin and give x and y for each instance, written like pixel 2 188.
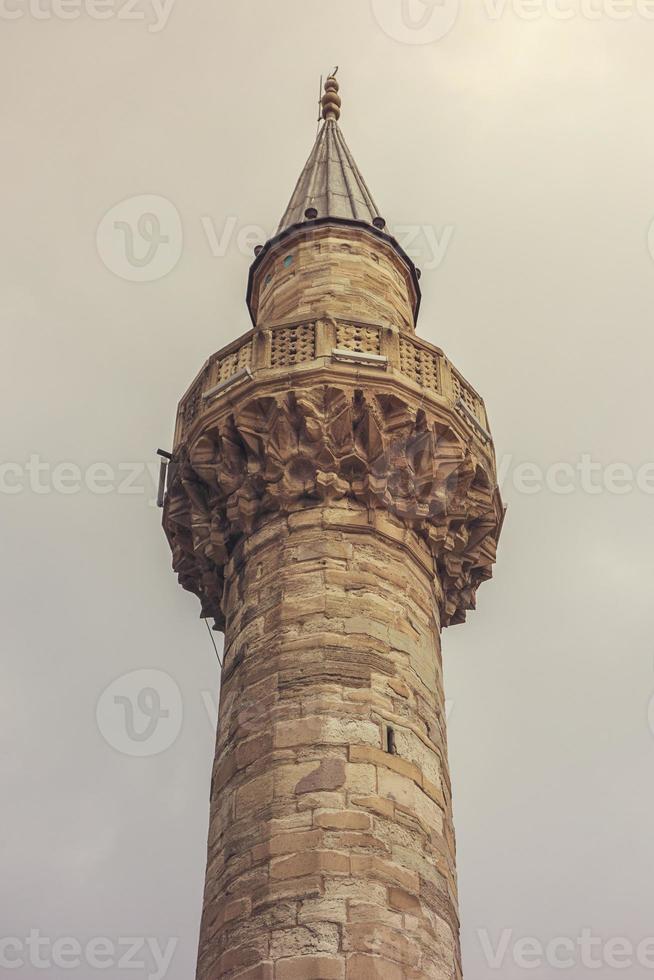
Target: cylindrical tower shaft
pixel 331 848
pixel 333 502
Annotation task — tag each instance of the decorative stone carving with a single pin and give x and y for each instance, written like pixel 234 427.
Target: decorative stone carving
pixel 357 337
pixel 333 501
pixel 464 393
pixel 293 345
pixel 226 367
pixel 419 364
pixel 280 452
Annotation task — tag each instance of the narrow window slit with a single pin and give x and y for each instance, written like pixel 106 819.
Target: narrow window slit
pixel 391 748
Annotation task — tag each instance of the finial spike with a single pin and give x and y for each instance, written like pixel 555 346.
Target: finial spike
pixel 331 100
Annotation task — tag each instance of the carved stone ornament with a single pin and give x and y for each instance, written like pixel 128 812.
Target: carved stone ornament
pixel 285 451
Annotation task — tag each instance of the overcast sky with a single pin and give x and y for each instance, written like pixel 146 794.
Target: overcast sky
pixel 517 154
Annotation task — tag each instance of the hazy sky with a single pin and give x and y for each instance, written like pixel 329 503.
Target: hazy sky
pixel 517 154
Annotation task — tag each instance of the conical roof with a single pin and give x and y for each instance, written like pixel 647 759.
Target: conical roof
pixel 331 188
pixel 331 184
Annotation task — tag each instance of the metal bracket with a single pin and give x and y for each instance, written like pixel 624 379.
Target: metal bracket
pixel 245 374
pixel 474 421
pixel 360 357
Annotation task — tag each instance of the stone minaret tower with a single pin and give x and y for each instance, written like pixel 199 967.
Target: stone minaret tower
pixel 333 502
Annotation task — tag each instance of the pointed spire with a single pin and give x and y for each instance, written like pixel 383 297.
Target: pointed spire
pixel 331 185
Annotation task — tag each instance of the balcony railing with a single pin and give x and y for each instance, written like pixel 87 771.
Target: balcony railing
pixel 293 345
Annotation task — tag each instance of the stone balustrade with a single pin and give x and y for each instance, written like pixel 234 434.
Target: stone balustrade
pixel 294 347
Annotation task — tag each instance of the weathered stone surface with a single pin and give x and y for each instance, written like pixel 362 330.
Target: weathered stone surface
pixel 330 774
pixel 300 889
pixel 333 502
pixel 256 793
pixel 378 914
pixel 311 862
pixel 404 901
pixel 361 967
pixel 323 910
pixel 311 968
pixel 262 971
pixel 342 820
pixel 324 824
pixel 306 940
pixel 382 940
pixel 346 443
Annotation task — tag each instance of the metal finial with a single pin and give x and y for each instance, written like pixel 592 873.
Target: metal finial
pixel 331 100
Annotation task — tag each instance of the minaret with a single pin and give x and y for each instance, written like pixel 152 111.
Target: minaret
pixel 333 502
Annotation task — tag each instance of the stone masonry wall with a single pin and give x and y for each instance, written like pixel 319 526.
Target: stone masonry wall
pixel 343 271
pixel 330 858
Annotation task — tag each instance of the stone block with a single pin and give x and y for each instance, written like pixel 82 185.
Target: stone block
pixel 319 801
pixel 434 792
pixel 329 775
pixel 287 776
pixel 236 910
pixel 361 778
pixel 294 609
pixel 307 940
pixel 262 971
pixel 252 750
pixel 404 901
pixel 254 795
pixel 302 731
pixel 355 841
pixel 400 688
pixel 367 912
pixel 323 548
pixel 298 889
pixel 361 967
pixel 311 968
pixel 292 842
pixel 376 804
pixel 243 956
pixel 290 821
pixel 381 940
pixel 397 788
pixel 377 757
pixel 325 730
pixel 342 820
pixel 384 870
pixel 310 863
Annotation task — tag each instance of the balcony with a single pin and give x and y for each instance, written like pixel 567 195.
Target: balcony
pixel 367 349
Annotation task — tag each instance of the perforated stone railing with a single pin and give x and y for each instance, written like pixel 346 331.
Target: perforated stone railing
pixel 291 345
